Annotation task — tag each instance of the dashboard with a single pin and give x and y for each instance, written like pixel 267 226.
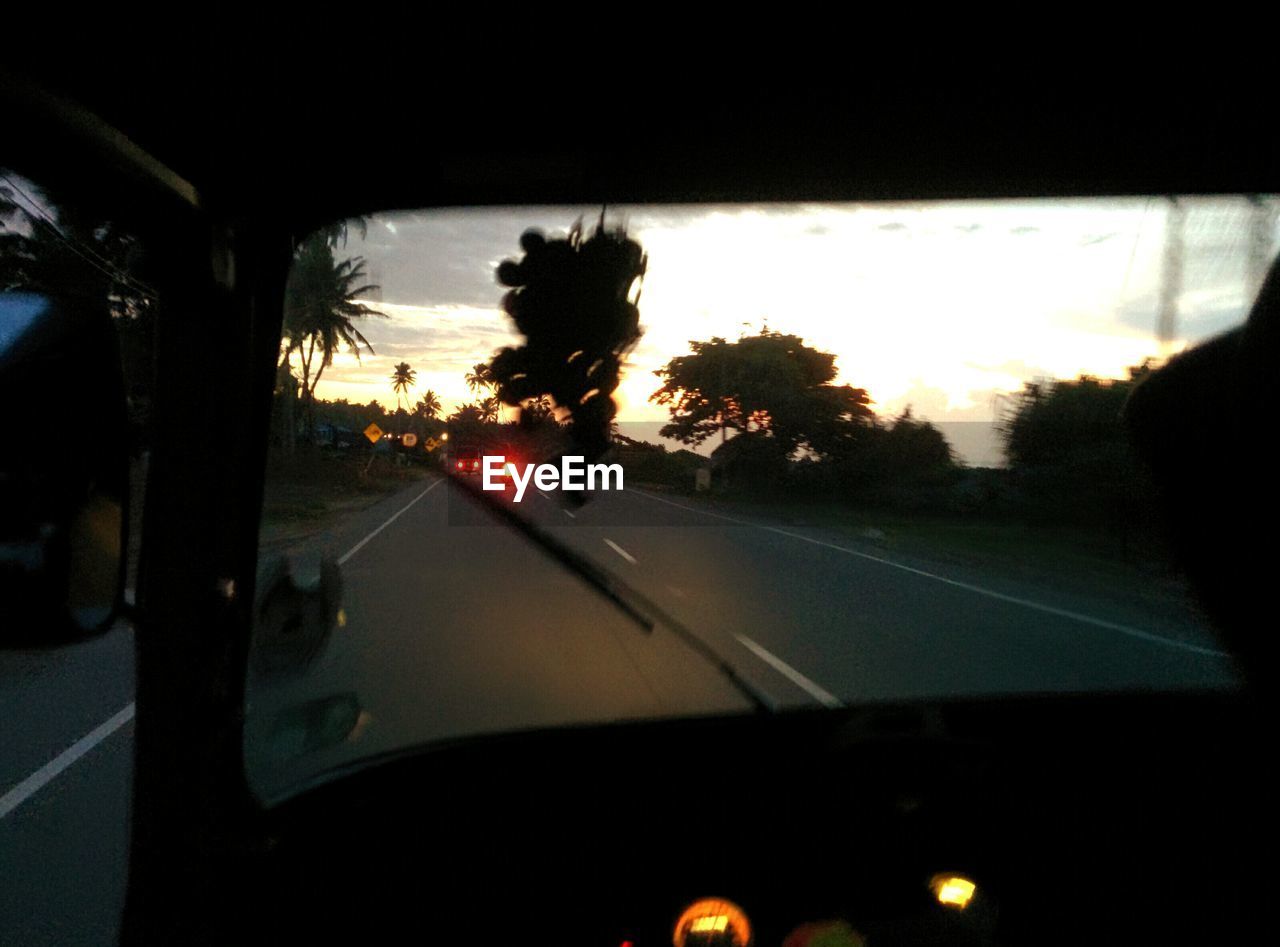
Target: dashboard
pixel 1037 820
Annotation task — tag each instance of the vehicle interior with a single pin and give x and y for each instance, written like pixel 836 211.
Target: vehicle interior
pixel 1054 815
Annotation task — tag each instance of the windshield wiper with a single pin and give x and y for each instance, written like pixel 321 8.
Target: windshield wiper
pixel 634 604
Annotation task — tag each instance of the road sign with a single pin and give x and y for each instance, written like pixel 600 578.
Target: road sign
pixel 374 433
pixel 409 440
pixel 431 443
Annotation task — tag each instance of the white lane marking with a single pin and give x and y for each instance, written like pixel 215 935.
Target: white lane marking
pixel 395 516
pixel 620 551
pixel 50 770
pixel 541 494
pixel 824 697
pixel 572 516
pixel 969 587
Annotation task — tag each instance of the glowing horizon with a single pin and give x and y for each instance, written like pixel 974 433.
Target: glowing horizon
pixel 945 307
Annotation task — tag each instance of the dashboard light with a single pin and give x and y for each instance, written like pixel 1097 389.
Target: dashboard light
pixel 824 934
pixel 953 891
pixel 712 921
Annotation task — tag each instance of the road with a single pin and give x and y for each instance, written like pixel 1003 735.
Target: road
pixel 454 625
pixel 65 773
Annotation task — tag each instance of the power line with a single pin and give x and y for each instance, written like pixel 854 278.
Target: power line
pixel 99 263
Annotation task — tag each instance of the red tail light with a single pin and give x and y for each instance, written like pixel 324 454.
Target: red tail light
pixel 460 465
pixel 475 465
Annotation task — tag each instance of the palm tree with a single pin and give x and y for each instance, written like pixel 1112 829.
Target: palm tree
pixel 489 409
pixel 466 414
pixel 402 379
pixel 337 232
pixel 428 406
pixel 320 304
pixel 536 410
pixel 480 378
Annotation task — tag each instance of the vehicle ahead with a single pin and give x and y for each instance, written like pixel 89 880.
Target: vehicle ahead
pixel 466 460
pixel 1121 818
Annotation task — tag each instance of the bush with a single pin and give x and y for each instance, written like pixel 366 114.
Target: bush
pixel 753 463
pixel 654 464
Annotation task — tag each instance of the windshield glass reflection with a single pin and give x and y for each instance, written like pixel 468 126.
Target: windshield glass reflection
pixel 532 467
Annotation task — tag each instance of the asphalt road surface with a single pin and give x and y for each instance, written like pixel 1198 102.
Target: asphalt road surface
pixel 454 625
pixel 457 625
pixel 66 761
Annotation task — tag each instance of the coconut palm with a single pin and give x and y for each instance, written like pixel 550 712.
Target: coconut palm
pixel 336 232
pixel 466 414
pixel 320 304
pixel 489 409
pixel 402 379
pixel 428 406
pixel 480 378
pixel 536 410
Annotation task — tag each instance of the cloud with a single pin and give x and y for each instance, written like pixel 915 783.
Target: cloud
pixel 1093 239
pixel 961 310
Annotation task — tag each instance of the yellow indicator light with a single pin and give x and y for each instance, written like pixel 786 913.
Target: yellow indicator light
pixel 712 918
pixel 716 923
pixel 953 890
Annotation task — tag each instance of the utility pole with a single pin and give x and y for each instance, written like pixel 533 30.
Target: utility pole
pixel 1262 228
pixel 1171 274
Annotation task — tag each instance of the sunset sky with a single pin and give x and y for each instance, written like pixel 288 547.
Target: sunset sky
pixel 941 306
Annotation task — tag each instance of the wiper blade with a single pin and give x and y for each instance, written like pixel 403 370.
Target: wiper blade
pixel 634 604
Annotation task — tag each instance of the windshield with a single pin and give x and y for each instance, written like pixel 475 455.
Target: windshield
pixel 534 467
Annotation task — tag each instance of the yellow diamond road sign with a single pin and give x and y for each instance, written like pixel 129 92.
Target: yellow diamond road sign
pixel 374 433
pixel 431 443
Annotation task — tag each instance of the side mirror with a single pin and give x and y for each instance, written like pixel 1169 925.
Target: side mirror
pixel 64 471
pixel 294 619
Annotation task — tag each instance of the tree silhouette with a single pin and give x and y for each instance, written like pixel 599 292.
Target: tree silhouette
pixel 537 410
pixel 428 406
pixel 490 409
pixel 769 383
pixel 58 248
pixel 480 379
pixel 467 414
pixel 321 302
pixel 65 249
pixel 1051 421
pixel 1065 442
pixel 336 233
pixel 402 379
